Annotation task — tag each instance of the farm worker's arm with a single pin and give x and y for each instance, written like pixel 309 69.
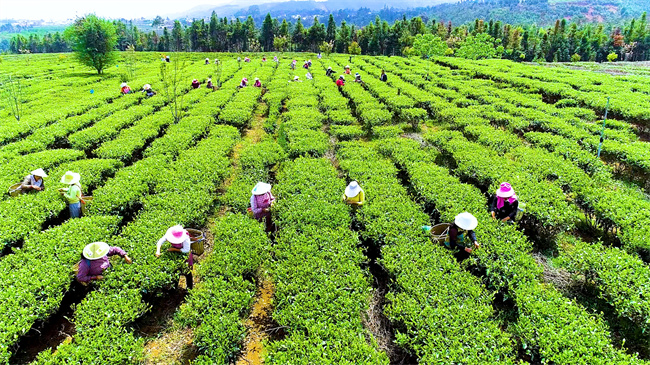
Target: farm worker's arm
pixel 362 197
pixel 160 242
pixel 27 183
pixel 186 245
pixel 472 236
pixel 118 251
pixel 73 194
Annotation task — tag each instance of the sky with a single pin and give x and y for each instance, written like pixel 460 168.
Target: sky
pixel 66 9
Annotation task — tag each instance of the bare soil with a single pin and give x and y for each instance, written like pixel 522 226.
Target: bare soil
pixel 260 325
pixel 558 277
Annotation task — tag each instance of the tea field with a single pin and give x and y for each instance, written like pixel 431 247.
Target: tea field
pixel 568 284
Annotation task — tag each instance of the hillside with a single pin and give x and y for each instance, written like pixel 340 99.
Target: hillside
pixel 540 12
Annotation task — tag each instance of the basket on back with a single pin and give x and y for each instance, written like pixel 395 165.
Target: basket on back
pixel 14 190
pixel 439 232
pixel 197 239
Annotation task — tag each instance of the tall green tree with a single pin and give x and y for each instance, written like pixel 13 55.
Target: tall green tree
pixel 478 47
pixel 177 37
pixel 213 31
pixel 316 35
pixel 298 36
pixel 266 35
pixel 93 40
pixel 429 45
pixel 343 38
pixel 330 35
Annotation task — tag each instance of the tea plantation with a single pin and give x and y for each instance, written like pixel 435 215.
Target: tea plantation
pixel 568 284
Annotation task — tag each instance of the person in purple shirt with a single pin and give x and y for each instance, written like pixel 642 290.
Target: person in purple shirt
pixel 261 202
pixel 94 260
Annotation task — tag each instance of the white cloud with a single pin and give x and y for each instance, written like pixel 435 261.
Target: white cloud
pixel 68 9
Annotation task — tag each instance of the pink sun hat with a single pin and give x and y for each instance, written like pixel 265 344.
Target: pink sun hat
pixel 505 190
pixel 176 234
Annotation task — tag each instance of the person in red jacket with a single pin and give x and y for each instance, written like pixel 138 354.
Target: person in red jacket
pixel 341 81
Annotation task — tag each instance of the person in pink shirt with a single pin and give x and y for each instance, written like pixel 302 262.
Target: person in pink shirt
pixel 94 260
pixel 261 202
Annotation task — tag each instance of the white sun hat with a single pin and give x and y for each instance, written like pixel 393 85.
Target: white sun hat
pixel 96 250
pixel 70 178
pixel 39 172
pixel 296 77
pixel 261 188
pixel 353 189
pixel 147 87
pixel 466 221
pixel 176 234
pixel 123 84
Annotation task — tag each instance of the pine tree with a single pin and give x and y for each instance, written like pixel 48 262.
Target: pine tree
pixel 316 35
pixel 331 29
pixel 214 25
pixel 298 36
pixel 266 34
pixel 343 38
pixel 177 36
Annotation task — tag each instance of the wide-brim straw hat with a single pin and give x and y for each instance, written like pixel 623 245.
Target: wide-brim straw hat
pixel 147 87
pixel 123 84
pixel 70 178
pixel 39 172
pixel 341 77
pixel 261 188
pixel 329 68
pixel 96 250
pixel 257 79
pixel 466 221
pixel 505 190
pixel 347 66
pixel 296 77
pixel 176 234
pixel 353 189
pixel 209 79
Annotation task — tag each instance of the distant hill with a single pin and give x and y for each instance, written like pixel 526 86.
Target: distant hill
pixel 360 12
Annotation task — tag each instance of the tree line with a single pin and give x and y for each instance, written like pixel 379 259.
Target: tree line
pixel 563 42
